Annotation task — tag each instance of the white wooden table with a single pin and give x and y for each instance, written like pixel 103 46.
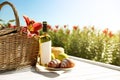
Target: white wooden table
pixel 83 70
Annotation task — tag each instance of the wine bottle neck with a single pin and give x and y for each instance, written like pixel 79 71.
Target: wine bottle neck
pixel 44 26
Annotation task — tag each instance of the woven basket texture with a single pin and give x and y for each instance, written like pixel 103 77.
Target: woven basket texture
pixel 16 50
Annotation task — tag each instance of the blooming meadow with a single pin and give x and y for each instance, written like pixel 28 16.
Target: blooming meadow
pixel 88 43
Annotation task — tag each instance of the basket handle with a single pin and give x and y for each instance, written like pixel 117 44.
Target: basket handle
pixel 15 13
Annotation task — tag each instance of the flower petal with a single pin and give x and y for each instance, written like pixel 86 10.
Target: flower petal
pixel 27 20
pixel 37 26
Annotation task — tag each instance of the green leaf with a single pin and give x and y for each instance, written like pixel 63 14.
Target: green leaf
pixel 11 20
pixel 1 20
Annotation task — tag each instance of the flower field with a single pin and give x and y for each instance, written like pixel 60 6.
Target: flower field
pixel 88 42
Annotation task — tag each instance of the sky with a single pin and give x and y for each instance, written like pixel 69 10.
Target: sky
pixel 99 13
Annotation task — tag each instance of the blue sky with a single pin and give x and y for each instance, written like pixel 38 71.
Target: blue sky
pixel 100 13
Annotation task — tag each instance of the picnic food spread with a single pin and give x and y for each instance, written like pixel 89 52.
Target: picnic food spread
pixel 59 59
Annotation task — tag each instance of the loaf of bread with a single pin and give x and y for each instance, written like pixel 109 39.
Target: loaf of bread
pixel 67 63
pixel 54 63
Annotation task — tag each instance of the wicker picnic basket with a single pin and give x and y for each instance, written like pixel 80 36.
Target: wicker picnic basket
pixel 16 50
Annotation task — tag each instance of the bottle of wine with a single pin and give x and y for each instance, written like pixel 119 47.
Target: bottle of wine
pixel 45 46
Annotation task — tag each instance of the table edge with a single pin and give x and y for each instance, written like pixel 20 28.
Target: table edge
pixel 110 66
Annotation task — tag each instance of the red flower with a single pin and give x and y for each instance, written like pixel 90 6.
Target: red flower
pixel 110 34
pixel 32 26
pixel 49 27
pixel 37 26
pixel 27 20
pixel 65 26
pixel 24 29
pixel 56 26
pixel 75 27
pixel 30 34
pixel 105 31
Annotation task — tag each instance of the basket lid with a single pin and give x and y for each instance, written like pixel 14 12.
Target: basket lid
pixel 7 31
